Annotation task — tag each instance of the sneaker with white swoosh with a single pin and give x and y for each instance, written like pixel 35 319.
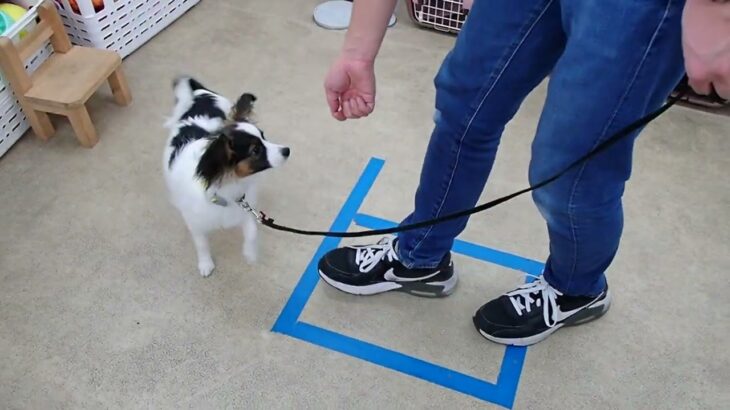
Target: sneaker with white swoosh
pixel 533 311
pixel 371 269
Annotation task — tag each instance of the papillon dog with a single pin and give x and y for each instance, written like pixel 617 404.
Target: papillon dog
pixel 214 157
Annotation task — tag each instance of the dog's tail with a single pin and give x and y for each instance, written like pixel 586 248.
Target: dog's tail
pixel 184 88
pixel 195 84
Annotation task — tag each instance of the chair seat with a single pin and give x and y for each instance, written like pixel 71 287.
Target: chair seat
pixel 68 80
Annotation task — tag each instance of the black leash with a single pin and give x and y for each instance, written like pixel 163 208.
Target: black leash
pixel 613 139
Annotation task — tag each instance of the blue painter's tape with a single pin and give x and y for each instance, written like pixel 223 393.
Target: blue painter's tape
pixel 473 250
pixel 502 392
pixel 514 356
pixel 510 372
pixel 308 281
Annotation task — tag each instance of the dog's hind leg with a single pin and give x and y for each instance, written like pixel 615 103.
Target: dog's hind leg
pixel 202 247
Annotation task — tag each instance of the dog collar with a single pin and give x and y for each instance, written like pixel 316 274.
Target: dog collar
pixel 220 201
pixel 217 199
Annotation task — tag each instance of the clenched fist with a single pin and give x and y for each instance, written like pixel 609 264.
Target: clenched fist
pixel 706 44
pixel 350 88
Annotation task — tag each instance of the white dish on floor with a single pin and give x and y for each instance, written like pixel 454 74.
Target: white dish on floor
pixel 335 15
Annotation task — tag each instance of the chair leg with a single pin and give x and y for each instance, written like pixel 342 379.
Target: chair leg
pixel 39 121
pixel 83 127
pixel 120 89
pixel 41 124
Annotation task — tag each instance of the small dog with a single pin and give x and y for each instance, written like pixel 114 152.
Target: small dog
pixel 213 157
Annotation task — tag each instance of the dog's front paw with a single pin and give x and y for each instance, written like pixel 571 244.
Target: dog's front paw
pixel 206 268
pixel 250 252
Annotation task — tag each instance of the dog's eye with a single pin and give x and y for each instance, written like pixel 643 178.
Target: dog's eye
pixel 256 150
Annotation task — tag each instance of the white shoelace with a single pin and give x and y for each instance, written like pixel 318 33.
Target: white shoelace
pixel 522 299
pixel 367 257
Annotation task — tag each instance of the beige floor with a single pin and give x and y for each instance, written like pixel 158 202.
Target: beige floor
pixel 101 305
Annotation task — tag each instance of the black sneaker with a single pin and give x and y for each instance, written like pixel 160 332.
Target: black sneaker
pixel 530 313
pixel 371 269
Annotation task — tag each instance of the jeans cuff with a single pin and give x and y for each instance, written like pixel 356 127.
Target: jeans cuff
pixel 410 263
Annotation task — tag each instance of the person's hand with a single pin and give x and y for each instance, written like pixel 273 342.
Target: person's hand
pixel 350 88
pixel 706 45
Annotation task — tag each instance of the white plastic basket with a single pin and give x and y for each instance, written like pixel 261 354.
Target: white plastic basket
pixel 13 123
pixel 121 25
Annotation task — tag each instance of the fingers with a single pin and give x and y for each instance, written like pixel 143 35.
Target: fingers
pixel 708 80
pixel 347 105
pixel 339 115
pixel 353 108
pixel 706 87
pixel 333 100
pixel 347 109
pixel 356 107
pixel 722 88
pixel 362 108
pixel 700 85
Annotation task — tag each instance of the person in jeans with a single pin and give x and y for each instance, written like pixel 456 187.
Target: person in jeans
pixel 610 62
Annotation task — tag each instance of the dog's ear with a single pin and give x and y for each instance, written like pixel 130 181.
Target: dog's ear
pixel 216 160
pixel 243 108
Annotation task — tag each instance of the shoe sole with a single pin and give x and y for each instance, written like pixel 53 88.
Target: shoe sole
pixel 422 289
pixel 531 340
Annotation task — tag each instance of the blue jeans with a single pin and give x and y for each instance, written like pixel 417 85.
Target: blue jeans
pixel 610 62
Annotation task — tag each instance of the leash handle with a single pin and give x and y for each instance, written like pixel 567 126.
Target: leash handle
pixel 613 139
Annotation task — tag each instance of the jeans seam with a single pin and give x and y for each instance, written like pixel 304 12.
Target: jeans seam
pixel 612 118
pixel 471 120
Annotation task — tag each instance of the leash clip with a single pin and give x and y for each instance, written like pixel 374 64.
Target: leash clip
pixel 260 216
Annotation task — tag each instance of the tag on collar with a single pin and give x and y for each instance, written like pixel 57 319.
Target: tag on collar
pixel 215 199
pixel 218 200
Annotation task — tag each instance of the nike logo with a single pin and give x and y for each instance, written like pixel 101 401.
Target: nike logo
pixel 392 277
pixel 562 315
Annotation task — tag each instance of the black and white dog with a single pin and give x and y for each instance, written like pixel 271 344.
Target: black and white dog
pixel 213 157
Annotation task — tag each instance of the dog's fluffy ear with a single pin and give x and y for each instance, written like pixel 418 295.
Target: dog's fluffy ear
pixel 216 160
pixel 243 108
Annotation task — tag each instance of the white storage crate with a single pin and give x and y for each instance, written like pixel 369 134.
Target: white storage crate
pixel 120 25
pixel 13 123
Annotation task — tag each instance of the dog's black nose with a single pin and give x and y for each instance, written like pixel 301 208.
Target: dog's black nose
pixel 285 152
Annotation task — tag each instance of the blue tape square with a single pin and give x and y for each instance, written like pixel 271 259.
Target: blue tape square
pixel 501 392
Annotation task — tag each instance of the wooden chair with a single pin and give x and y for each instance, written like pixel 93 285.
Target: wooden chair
pixel 63 83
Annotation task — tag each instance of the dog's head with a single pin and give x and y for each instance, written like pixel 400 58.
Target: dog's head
pixel 240 149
